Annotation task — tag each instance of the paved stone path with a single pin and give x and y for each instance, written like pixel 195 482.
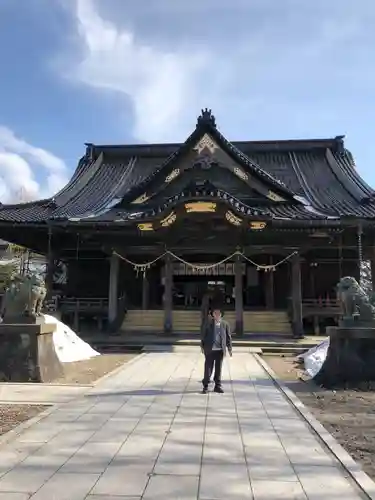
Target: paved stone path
pixel 35 393
pixel 146 433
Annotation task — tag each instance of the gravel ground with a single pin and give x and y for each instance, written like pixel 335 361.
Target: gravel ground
pixel 12 415
pixel 88 371
pixel 348 415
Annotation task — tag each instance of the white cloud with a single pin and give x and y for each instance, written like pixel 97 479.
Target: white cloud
pixel 159 83
pixel 247 63
pixel 27 172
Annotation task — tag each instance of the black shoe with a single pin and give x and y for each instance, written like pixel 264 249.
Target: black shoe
pixel 204 390
pixel 219 390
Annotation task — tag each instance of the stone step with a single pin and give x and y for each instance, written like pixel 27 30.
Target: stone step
pixel 185 321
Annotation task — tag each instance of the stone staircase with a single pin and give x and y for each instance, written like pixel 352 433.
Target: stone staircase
pixel 270 344
pixel 188 321
pixel 266 322
pixel 147 321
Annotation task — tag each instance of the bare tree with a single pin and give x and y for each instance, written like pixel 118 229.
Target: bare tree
pixel 366 280
pixel 7 270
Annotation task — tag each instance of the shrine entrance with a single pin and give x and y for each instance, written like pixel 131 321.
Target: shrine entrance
pixel 189 293
pixel 191 285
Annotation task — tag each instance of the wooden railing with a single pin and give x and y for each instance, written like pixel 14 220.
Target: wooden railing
pixel 320 307
pixel 84 305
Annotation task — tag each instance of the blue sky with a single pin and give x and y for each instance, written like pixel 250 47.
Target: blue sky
pixel 122 71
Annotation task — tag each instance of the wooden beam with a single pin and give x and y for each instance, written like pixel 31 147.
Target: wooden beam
pixel 113 288
pixel 297 296
pixel 270 295
pixel 168 295
pixel 238 291
pixel 50 268
pixel 145 291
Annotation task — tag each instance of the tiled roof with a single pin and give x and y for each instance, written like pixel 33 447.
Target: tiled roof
pixel 319 174
pixel 271 211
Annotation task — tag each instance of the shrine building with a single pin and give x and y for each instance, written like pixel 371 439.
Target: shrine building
pixel 145 232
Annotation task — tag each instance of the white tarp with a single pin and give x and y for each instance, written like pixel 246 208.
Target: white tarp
pixel 314 358
pixel 69 347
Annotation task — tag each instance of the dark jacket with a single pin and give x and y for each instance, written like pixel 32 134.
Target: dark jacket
pixel 208 336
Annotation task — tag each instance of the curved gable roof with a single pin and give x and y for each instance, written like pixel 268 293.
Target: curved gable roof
pixel 321 172
pixel 206 137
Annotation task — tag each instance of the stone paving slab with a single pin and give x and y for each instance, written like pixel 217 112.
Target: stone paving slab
pixel 34 393
pixel 147 433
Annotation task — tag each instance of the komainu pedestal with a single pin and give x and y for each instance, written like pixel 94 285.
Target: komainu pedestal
pixel 27 351
pixel 350 358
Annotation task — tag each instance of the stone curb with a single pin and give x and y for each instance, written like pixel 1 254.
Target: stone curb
pixel 23 426
pixel 355 471
pixel 117 370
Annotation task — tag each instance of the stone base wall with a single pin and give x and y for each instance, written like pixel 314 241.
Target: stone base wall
pixel 350 358
pixel 27 353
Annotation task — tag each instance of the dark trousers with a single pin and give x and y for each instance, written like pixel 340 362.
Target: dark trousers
pixel 213 358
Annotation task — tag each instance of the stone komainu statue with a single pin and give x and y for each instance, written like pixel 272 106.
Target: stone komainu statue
pixel 24 297
pixel 355 303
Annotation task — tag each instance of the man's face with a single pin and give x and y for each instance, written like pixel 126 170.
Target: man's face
pixel 216 314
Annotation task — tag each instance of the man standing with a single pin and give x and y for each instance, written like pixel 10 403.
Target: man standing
pixel 216 339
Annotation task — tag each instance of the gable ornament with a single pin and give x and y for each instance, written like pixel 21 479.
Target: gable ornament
pixel 175 173
pixel 168 220
pixel 241 174
pixel 140 199
pixel 146 226
pixel 274 197
pixel 233 219
pixel 206 142
pixel 257 225
pixel 200 206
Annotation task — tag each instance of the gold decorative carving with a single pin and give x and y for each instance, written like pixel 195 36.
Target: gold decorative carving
pixel 206 142
pixel 140 199
pixel 274 197
pixel 200 206
pixel 241 174
pixel 257 226
pixel 175 173
pixel 168 220
pixel 147 226
pixel 233 219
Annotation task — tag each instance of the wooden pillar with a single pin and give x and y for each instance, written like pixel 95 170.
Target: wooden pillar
pixel 297 296
pixel 49 274
pixel 238 294
pixel 316 325
pixel 270 297
pixel 312 267
pixel 50 267
pixel 145 292
pixel 113 288
pixel 373 268
pixel 168 295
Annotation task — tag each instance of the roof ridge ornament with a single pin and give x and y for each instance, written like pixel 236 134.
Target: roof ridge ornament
pixel 206 118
